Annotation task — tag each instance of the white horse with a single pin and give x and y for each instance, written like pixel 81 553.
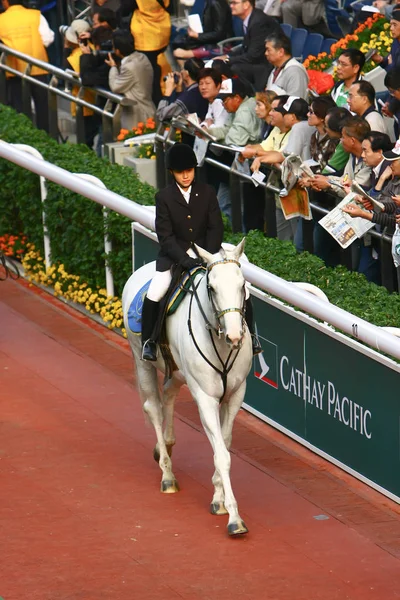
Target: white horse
pixel 211 346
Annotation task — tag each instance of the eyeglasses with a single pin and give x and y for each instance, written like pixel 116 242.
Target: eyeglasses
pixel 342 64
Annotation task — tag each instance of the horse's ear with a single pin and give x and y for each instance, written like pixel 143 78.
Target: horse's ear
pixel 206 256
pixel 238 251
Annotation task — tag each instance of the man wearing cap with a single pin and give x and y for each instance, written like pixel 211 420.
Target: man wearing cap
pixel 242 128
pixel 187 213
pixel 294 112
pixel 26 30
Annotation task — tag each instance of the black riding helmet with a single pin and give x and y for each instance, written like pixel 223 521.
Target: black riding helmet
pixel 180 157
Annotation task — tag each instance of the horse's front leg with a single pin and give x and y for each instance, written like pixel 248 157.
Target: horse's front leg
pixel 228 412
pixel 152 406
pixel 210 418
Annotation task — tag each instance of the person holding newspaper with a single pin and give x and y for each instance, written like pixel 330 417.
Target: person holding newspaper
pixel 387 188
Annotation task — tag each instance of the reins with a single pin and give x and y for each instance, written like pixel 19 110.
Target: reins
pixel 226 367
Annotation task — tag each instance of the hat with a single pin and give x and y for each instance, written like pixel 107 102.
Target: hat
pixel 75 29
pixel 180 157
pixel 231 87
pixel 393 154
pixel 395 15
pixel 294 106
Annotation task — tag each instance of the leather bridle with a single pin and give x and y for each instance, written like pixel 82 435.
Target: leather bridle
pixel 226 365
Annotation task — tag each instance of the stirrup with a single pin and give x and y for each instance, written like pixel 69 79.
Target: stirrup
pixel 255 342
pixel 149 350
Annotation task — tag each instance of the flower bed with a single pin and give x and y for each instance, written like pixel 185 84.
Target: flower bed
pixel 372 34
pixel 72 288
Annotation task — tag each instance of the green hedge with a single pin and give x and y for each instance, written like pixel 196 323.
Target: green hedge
pixel 76 227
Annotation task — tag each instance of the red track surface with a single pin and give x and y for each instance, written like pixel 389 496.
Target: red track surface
pixel 81 515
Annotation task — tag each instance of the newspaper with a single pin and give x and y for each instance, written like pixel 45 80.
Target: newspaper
pixel 378 206
pixel 195 23
pixel 342 227
pixel 195 128
pixel 296 203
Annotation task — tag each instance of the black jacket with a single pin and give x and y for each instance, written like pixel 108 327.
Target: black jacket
pixel 217 23
pixel 253 48
pixel 179 224
pixel 94 71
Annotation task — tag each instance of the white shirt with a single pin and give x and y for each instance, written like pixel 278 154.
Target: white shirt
pixel 185 194
pixel 376 122
pixel 217 113
pixel 378 168
pixel 246 23
pixel 45 32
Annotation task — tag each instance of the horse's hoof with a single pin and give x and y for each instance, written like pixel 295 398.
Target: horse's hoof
pixel 218 508
pixel 156 452
pixel 238 528
pixel 170 486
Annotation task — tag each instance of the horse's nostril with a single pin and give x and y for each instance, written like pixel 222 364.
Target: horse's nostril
pixel 228 339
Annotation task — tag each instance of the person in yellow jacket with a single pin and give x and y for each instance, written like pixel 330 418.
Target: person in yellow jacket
pixel 27 31
pixel 91 120
pixel 151 30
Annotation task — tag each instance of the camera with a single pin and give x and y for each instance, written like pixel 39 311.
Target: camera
pixel 105 47
pixel 176 78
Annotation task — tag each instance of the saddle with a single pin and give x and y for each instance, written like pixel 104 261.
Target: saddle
pixel 179 287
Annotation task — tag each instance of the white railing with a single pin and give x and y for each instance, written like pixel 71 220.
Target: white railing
pixel 350 324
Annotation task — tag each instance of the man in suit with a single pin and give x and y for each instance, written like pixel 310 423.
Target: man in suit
pixel 187 213
pixel 248 60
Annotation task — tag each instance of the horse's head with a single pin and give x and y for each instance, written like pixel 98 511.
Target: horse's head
pixel 225 283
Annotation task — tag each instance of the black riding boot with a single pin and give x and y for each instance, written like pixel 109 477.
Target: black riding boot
pixel 250 324
pixel 149 317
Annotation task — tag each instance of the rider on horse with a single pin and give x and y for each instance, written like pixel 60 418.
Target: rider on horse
pixel 187 213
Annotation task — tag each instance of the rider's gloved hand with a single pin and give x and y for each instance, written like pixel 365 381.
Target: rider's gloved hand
pixel 190 263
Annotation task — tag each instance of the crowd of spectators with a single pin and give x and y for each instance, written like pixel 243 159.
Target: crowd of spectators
pixel 253 98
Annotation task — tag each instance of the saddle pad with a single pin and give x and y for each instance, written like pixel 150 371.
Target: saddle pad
pixel 135 309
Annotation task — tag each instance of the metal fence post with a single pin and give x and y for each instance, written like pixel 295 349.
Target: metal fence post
pixel 43 196
pixel 270 213
pixel 107 125
pixel 236 202
pixel 26 94
pixel 3 80
pixel 53 109
pixel 107 240
pixel 80 123
pixel 386 260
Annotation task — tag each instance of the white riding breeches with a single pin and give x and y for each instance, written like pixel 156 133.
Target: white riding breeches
pixel 159 285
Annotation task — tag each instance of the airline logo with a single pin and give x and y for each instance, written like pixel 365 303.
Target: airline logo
pixel 266 363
